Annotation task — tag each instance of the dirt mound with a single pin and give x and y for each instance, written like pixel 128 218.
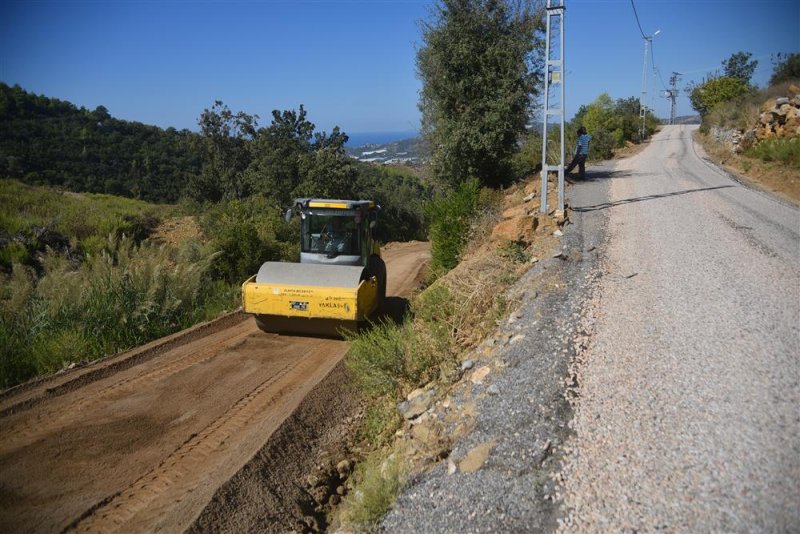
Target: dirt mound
pixel 177 230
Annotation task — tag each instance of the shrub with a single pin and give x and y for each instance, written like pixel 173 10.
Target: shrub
pixel 246 233
pixel 786 67
pixel 377 480
pixel 528 159
pixel 450 218
pixel 786 151
pixel 602 145
pixel 707 95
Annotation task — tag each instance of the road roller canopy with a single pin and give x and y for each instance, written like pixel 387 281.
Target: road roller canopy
pixel 310 203
pixel 336 228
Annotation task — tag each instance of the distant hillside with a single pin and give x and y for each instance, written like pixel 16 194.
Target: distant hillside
pixel 687 119
pixel 411 151
pixel 46 141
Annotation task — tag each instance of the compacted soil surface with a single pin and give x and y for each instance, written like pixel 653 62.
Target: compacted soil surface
pixel 143 440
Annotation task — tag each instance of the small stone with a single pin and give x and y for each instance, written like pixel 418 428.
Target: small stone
pixel 518 337
pixel 529 197
pixel 781 101
pixel 479 374
pixel 415 407
pixel 467 365
pixel 340 490
pixel 559 254
pixel 416 393
pixel 312 481
pixel 451 467
pixel 534 260
pixel 343 468
pixel 558 233
pixel 493 390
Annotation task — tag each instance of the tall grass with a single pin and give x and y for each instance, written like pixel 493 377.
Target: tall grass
pixel 120 298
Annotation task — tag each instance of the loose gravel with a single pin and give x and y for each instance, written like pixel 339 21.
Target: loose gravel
pixel 688 416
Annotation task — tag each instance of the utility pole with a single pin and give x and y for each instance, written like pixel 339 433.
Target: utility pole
pixel 648 40
pixel 553 75
pixel 672 94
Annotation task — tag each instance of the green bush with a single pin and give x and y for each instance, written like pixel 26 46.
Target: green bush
pixel 377 482
pixel 786 151
pixel 528 159
pixel 602 145
pixel 713 92
pixel 450 219
pixel 246 233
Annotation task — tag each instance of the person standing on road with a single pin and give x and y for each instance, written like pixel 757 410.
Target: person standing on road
pixel 581 152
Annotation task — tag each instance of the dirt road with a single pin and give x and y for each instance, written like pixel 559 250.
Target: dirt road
pixel 141 441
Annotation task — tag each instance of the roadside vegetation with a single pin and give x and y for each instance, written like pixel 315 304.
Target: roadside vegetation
pixel 472 129
pixel 613 125
pixel 459 308
pixel 743 126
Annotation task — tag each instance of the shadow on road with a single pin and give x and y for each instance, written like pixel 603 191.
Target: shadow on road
pixel 606 205
pixel 597 175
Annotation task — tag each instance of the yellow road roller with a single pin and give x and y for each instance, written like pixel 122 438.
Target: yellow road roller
pixel 340 281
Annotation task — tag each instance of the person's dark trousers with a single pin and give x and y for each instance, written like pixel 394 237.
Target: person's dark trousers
pixel 580 161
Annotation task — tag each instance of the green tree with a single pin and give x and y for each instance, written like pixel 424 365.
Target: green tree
pixel 786 67
pixel 611 123
pixel 290 159
pixel 710 93
pixel 226 154
pixel 478 67
pixel 740 67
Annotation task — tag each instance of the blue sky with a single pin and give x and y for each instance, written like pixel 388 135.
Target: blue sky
pixel 351 63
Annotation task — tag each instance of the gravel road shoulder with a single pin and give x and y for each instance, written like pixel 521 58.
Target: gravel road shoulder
pixel 500 475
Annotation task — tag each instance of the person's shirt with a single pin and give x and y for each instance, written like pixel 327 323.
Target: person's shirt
pixel 583 144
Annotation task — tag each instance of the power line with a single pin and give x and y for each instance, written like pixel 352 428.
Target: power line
pixel 656 69
pixel 637 20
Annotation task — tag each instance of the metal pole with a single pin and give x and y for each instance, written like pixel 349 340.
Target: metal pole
pixel 642 103
pixel 563 106
pixel 673 95
pixel 554 72
pixel 543 204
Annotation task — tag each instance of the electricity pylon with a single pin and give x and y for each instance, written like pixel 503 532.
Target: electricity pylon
pixel 554 75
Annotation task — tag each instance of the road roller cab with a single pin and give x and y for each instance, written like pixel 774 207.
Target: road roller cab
pixel 340 281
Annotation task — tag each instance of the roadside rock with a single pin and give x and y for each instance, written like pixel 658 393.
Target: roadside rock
pixel 416 406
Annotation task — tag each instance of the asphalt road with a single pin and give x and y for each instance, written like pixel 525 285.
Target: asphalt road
pixel 688 410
